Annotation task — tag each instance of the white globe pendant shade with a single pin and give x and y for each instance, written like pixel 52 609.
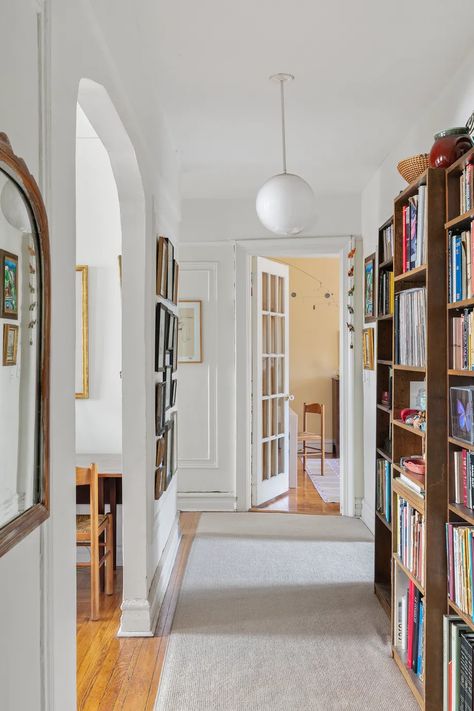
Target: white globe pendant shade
pixel 285 204
pixel 14 208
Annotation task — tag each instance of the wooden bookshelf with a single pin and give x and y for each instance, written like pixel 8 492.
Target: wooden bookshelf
pixel 408 441
pixel 456 222
pixel 384 363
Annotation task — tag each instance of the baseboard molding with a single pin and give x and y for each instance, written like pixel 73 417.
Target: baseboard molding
pixel 206 501
pixel 139 617
pixel 368 515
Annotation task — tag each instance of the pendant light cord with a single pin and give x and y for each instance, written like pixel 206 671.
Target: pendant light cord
pixel 283 137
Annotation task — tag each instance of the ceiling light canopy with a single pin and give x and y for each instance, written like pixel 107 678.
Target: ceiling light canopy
pixel 285 202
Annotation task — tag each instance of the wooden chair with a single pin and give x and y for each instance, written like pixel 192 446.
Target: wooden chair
pixel 311 450
pixel 89 529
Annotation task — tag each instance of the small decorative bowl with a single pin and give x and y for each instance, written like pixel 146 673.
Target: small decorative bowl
pixel 411 168
pixel 415 465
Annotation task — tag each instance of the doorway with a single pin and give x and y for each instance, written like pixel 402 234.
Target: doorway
pixel 308 289
pixel 350 358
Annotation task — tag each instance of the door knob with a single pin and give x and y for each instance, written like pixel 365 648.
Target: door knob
pixel 289 398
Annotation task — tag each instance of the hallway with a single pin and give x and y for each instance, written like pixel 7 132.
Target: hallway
pixel 278 612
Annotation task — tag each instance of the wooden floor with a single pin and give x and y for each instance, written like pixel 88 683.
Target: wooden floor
pixel 124 673
pixel 304 499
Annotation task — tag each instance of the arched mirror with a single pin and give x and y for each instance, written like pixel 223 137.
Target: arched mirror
pixel 24 352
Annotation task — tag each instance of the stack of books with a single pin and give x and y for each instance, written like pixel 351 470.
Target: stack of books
pixel 384 488
pixel 466 201
pixel 410 626
pixel 386 293
pixel 410 539
pixel 460 260
pixel 459 540
pixel 387 243
pixel 464 478
pixel 410 327
pixel 458 653
pixel 414 230
pixel 462 343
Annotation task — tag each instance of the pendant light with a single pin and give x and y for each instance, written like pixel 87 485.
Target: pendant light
pixel 285 203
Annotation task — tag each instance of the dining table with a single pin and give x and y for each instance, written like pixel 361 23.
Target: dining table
pixel 109 468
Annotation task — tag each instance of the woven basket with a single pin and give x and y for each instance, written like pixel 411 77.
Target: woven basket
pixel 411 168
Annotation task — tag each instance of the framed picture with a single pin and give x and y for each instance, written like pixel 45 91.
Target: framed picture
pixel 161 446
pixel 159 407
pixel 170 331
pixel 82 332
pixel 175 282
pixel 8 285
pixel 168 388
pixel 10 344
pixel 162 267
pixel 169 453
pixel 368 348
pixel 160 337
pixel 170 275
pixel 174 387
pixel 189 332
pixel 369 288
pixel 461 406
pixel 160 482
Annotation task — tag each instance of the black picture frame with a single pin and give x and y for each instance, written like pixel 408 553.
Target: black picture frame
pixel 174 387
pixel 160 338
pixel 168 387
pixel 170 276
pixel 175 344
pixel 160 391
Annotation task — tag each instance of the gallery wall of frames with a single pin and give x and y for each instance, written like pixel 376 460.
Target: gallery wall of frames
pixel 166 361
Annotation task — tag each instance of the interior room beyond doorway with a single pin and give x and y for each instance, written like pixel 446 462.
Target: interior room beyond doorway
pixel 314 333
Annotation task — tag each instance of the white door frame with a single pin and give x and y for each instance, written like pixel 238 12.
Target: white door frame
pixel 350 370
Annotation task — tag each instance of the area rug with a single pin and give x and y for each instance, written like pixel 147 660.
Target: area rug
pixel 277 612
pixel 327 486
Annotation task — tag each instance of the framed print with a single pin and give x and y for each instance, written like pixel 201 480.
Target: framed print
pixel 82 332
pixel 174 387
pixel 175 282
pixel 369 288
pixel 418 394
pixel 170 272
pixel 8 285
pixel 175 344
pixel 159 407
pixel 170 331
pixel 161 445
pixel 168 388
pixel 368 348
pixel 160 337
pixel 189 332
pixel 10 344
pixel 169 452
pixel 160 482
pixel 162 267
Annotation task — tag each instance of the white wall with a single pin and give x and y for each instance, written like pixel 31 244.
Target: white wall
pixel 98 244
pixel 63 41
pixel 452 107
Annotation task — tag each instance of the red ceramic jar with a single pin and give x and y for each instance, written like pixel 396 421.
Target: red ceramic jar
pixel 449 145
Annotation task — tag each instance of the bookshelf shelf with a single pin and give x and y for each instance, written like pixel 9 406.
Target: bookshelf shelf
pixel 460 219
pixel 461 444
pixel 461 304
pixel 420 214
pixel 462 373
pixel 457 610
pixel 409 428
pixel 463 512
pixel 418 274
pixel 384 376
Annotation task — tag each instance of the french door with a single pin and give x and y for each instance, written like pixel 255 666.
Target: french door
pixel 270 397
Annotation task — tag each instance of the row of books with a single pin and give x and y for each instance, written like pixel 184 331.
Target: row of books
pixel 458 653
pixel 386 293
pixel 464 478
pixel 410 539
pixel 410 327
pixel 466 197
pixel 414 230
pixel 462 345
pixel 460 261
pixel 387 243
pixel 410 626
pixel 384 488
pixel 459 540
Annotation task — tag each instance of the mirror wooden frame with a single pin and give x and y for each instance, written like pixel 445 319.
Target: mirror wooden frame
pixel 16 168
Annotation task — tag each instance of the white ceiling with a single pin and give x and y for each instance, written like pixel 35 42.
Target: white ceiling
pixel 364 70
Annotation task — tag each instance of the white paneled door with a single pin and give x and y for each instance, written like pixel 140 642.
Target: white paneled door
pixel 270 396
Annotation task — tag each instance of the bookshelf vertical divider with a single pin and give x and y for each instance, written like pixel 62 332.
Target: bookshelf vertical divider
pixel 383 367
pixel 407 441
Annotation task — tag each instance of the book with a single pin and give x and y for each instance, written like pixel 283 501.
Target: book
pixel 410 327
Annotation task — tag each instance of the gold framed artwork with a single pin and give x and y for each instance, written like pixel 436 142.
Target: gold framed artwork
pixel 369 289
pixel 8 285
pixel 189 332
pixel 162 267
pixel 82 332
pixel 368 348
pixel 10 344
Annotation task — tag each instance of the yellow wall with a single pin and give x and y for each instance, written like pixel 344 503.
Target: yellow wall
pixel 314 334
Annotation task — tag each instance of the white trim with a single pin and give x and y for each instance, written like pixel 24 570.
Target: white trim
pixel 204 501
pixel 350 370
pixel 368 515
pixel 139 617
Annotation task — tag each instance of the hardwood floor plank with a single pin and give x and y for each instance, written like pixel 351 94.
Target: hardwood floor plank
pixel 123 674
